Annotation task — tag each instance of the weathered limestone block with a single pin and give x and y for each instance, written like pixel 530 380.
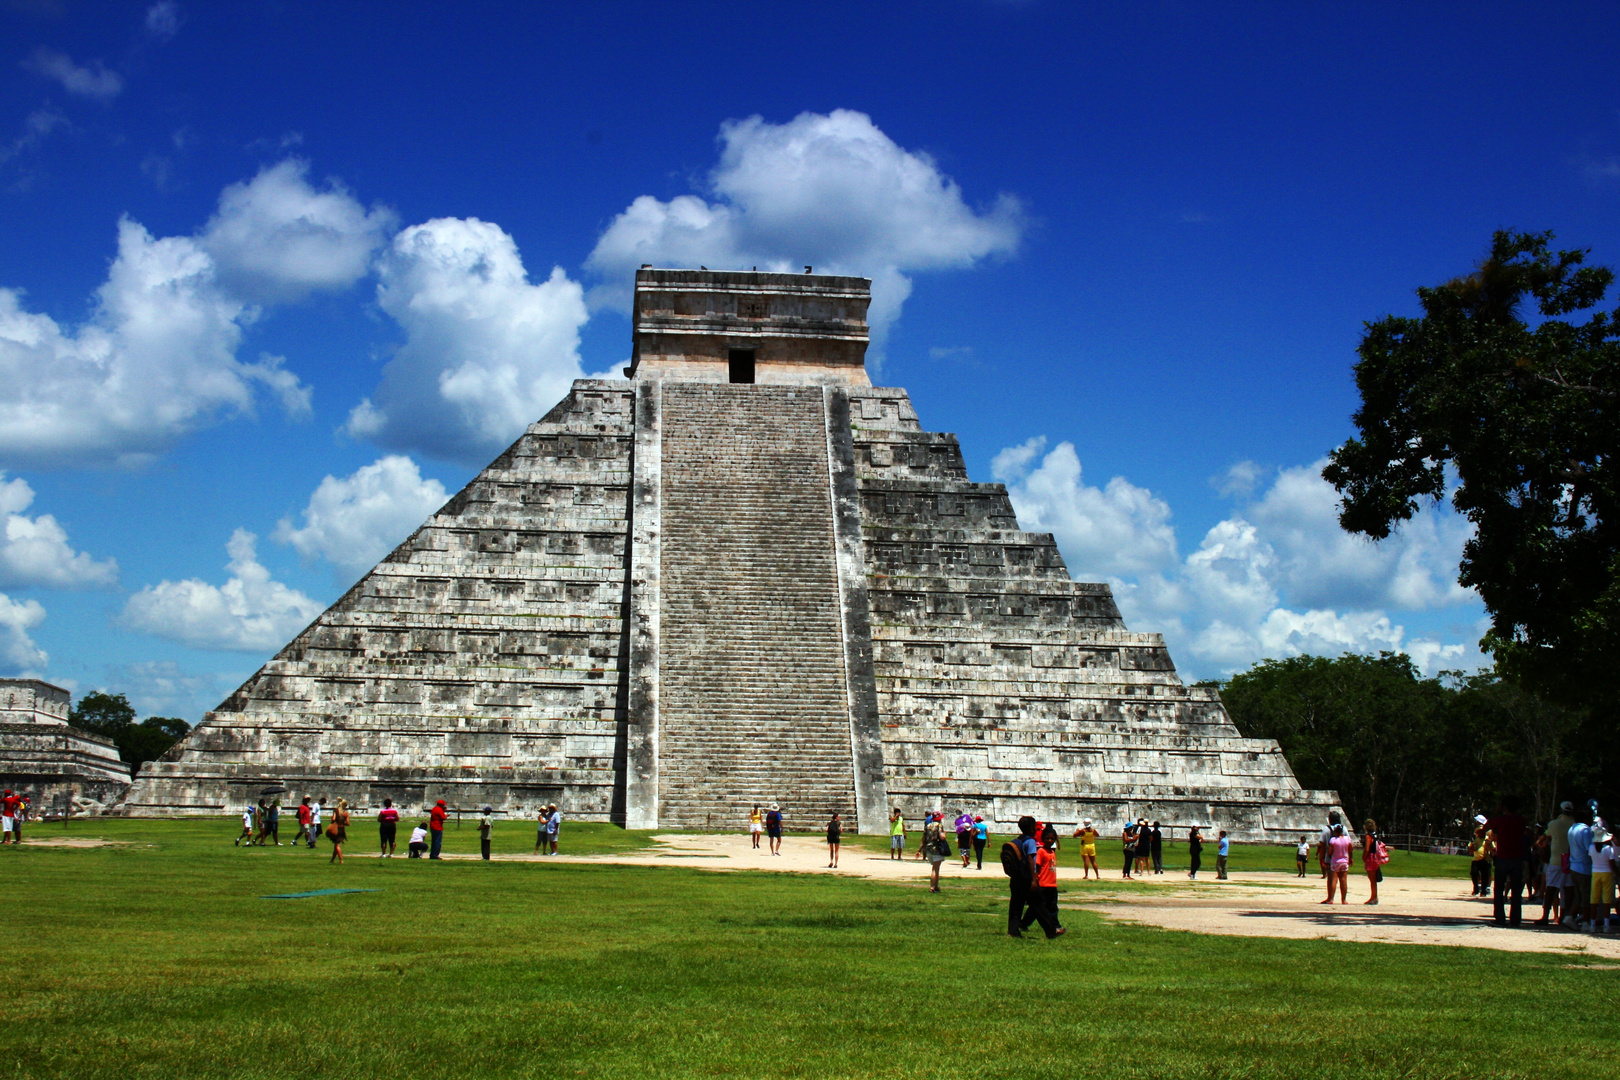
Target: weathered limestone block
pixel 61 769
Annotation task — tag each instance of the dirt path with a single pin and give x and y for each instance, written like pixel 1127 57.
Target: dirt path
pixel 1419 911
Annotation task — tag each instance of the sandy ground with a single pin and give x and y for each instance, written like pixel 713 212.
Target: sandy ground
pixel 1420 911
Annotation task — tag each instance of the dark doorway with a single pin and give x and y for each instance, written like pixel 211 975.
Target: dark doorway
pixel 742 365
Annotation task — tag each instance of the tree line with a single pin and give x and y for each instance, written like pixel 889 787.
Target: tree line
pixel 1421 754
pixel 113 718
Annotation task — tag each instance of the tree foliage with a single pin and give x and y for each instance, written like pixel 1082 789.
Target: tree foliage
pixel 112 717
pixel 1516 411
pixel 1415 754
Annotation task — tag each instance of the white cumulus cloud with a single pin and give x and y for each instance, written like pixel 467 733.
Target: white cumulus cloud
pixel 1103 532
pixel 35 550
pixel 277 237
pixel 93 81
pixel 1279 578
pixel 156 360
pixel 251 612
pixel 353 522
pixel 832 191
pixel 487 352
pixel 18 653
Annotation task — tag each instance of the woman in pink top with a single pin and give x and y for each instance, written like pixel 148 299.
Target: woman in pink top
pixel 1338 868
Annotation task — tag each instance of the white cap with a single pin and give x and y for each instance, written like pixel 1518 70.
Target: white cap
pixel 1480 818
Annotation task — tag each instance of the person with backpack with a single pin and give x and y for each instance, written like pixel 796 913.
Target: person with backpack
pixel 773 828
pixel 1018 862
pixel 1374 854
pixel 935 848
pixel 1043 890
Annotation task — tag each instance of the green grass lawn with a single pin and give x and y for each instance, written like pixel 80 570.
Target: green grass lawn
pixel 157 958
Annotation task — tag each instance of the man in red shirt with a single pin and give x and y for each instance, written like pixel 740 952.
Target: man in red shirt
pixel 1508 828
pixel 436 826
pixel 305 818
pixel 13 825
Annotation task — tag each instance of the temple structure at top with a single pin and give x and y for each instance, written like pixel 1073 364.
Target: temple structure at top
pixel 743 576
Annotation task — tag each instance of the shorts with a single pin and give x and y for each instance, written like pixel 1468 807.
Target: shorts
pixel 755 827
pixel 1603 888
pixel 897 843
pixel 1556 878
pixel 6 823
pixel 775 834
pixel 963 842
pixel 1088 850
pixel 387 829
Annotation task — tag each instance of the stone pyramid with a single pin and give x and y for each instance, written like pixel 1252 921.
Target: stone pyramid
pixel 743 576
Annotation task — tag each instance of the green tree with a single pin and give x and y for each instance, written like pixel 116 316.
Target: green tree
pixel 112 717
pixel 1494 397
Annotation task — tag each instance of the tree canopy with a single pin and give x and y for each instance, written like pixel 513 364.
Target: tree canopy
pixel 112 717
pixel 1415 754
pixel 1514 412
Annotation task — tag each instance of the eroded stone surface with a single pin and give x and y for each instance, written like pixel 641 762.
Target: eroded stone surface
pixel 61 769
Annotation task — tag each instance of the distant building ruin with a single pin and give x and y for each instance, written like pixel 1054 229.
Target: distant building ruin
pixel 745 575
pixel 61 769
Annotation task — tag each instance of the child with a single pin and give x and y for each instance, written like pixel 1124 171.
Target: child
pixel 1302 853
pixel 1602 851
pixel 418 840
pixel 247 827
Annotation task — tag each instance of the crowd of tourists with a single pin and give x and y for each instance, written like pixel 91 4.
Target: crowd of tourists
pixel 261 827
pixel 1567 864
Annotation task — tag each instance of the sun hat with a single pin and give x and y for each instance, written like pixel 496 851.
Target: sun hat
pixel 1480 818
pixel 1087 821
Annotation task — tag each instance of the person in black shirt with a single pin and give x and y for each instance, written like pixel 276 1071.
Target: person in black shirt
pixel 1156 848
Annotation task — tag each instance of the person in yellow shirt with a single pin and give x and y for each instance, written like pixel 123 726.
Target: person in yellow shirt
pixel 1481 848
pixel 897 836
pixel 1088 849
pixel 756 824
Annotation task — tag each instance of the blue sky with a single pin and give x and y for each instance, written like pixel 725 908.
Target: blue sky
pixel 275 277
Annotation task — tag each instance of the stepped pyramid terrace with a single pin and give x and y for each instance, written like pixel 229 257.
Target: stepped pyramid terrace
pixel 744 575
pixel 61 769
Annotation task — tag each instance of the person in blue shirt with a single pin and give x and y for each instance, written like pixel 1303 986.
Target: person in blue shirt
pixel 1220 855
pixel 1580 870
pixel 981 835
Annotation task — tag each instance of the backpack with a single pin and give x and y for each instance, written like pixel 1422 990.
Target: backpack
pixel 1013 863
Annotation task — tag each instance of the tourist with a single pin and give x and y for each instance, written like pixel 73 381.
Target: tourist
pixel 1601 851
pixel 1195 851
pixel 1535 885
pixel 964 836
pixel 387 826
pixel 540 830
pixel 553 827
pixel 436 818
pixel 1144 846
pixel 1507 829
pixel 338 831
pixel 262 815
pixel 8 818
pixel 246 835
pixel 1322 841
pixel 1301 854
pixel 1156 848
pixel 773 828
pixel 835 836
pixel 1558 885
pixel 1021 874
pixel 1088 849
pixel 1480 849
pixel 897 836
pixel 275 822
pixel 1373 857
pixel 1222 849
pixel 756 825
pixel 315 821
pixel 1043 890
pixel 305 815
pixel 486 829
pixel 1580 872
pixel 419 840
pixel 981 836
pixel 935 848
pixel 1127 841
pixel 1339 845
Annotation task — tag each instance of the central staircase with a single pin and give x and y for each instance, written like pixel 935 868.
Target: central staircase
pixel 754 704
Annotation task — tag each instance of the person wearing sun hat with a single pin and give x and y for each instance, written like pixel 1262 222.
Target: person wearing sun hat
pixel 1601 851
